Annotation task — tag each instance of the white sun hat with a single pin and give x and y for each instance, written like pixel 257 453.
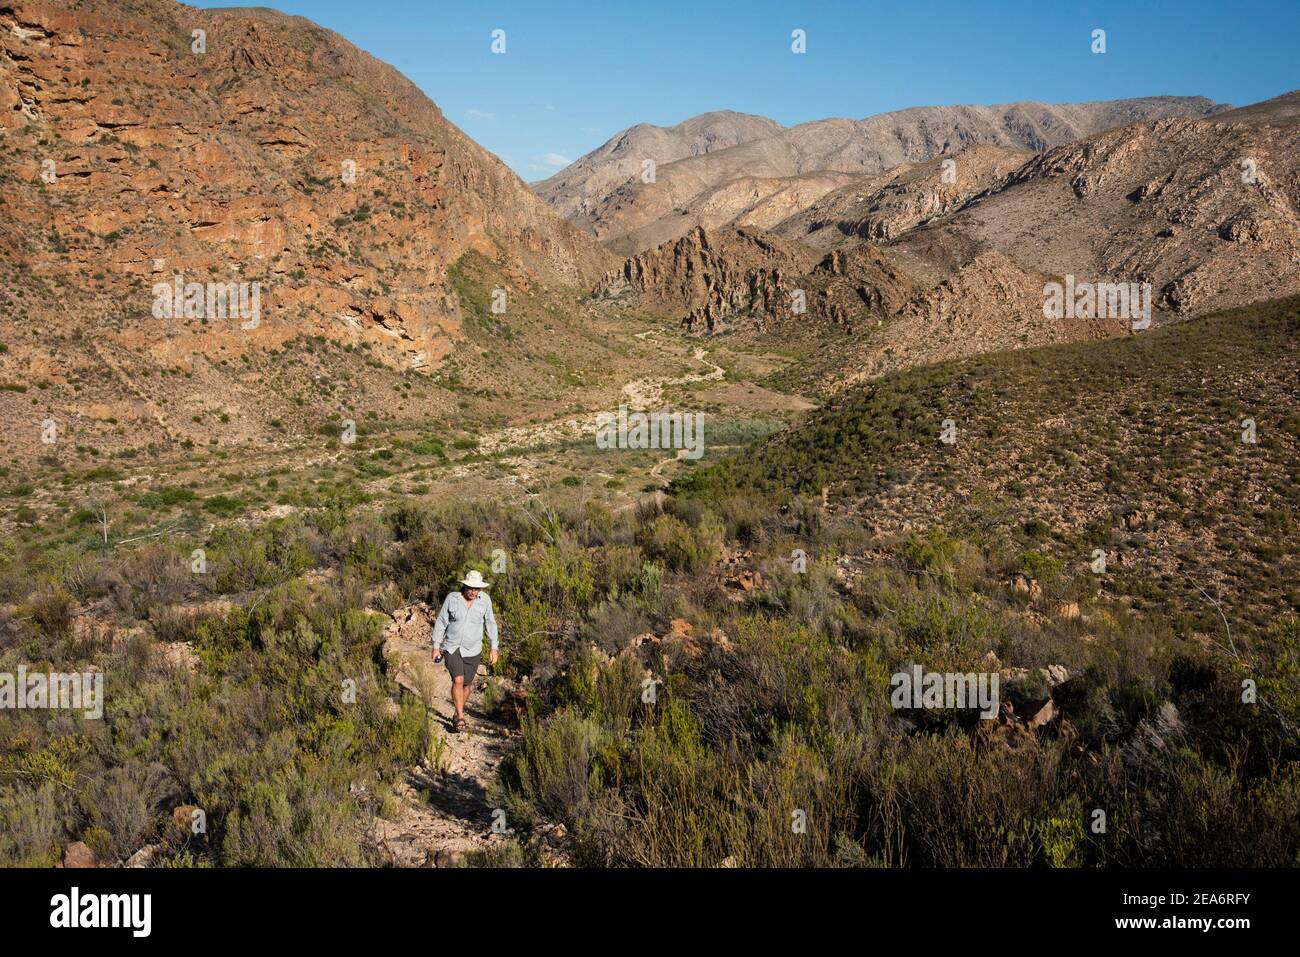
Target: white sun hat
pixel 475 580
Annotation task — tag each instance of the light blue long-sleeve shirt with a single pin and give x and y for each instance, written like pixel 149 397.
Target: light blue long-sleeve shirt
pixel 460 624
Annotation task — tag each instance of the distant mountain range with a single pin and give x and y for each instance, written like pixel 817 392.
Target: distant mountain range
pixel 1201 208
pixel 719 168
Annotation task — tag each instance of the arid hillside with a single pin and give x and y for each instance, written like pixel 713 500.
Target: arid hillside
pixel 149 146
pixel 608 193
pixel 1174 452
pixel 1203 209
pixel 575 191
pixel 880 208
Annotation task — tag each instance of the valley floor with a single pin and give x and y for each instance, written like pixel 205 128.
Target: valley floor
pixel 681 677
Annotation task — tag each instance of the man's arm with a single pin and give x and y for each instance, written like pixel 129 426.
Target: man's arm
pixel 440 626
pixel 490 622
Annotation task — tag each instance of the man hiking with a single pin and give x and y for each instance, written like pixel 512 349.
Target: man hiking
pixel 458 630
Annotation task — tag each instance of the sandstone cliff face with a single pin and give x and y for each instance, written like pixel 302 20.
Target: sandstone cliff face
pixel 630 215
pixel 146 142
pixel 263 149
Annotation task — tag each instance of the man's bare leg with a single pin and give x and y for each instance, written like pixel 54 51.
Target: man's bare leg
pixel 457 697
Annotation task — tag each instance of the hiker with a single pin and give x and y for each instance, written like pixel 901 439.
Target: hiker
pixel 460 623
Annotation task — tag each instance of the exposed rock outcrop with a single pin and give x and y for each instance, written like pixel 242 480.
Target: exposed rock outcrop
pixel 884 207
pixel 731 278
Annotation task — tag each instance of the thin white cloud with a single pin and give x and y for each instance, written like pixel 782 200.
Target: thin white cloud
pixel 547 163
pixel 480 114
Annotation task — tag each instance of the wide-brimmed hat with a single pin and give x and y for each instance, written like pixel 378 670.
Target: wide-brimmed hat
pixel 475 580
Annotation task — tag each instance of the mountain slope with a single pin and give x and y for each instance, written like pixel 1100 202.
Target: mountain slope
pixel 1134 446
pixel 242 148
pixel 625 216
pixel 274 153
pixel 1203 209
pixel 883 207
pixel 571 192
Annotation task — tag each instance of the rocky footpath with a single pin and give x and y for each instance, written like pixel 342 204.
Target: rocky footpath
pixel 445 811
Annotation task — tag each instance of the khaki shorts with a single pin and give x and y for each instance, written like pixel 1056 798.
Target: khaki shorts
pixel 460 667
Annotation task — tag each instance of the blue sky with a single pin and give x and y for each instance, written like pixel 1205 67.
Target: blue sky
pixel 575 73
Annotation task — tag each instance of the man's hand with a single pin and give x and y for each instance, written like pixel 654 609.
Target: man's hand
pixel 437 653
pixel 492 657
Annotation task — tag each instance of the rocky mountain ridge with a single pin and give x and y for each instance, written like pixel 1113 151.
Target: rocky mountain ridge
pixel 1197 214
pixel 606 193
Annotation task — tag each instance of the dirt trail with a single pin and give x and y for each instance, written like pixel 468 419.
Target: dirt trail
pixel 444 809
pixel 639 395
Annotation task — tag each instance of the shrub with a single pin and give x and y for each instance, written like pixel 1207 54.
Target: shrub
pixel 678 546
pixel 124 804
pixel 51 611
pixel 549 775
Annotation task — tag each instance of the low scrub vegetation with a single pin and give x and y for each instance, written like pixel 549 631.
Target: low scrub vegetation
pixel 706 680
pixel 695 696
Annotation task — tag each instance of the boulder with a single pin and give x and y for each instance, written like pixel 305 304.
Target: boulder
pixel 1024 585
pixel 1138 519
pixel 745 581
pixel 180 655
pixel 1039 713
pixel 649 638
pixel 1056 674
pixel 148 856
pixel 78 854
